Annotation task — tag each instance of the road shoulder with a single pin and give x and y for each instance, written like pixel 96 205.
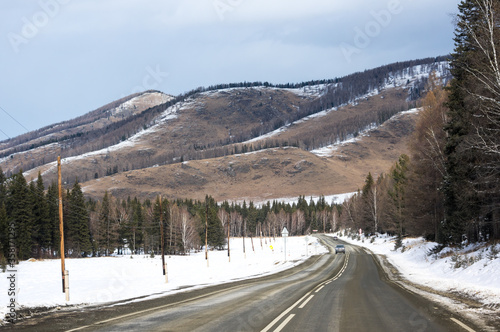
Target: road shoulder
pixel 457 306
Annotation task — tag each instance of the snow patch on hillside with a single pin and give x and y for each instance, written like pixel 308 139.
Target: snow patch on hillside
pixel 328 151
pixel 148 99
pixel 309 91
pixel 169 114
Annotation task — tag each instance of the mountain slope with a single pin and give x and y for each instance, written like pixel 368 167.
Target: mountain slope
pixel 76 136
pixel 270 173
pixel 144 131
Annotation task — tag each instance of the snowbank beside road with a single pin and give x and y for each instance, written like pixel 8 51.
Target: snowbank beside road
pixel 109 279
pixel 473 270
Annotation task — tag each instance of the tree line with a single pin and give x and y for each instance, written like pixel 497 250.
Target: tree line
pixel 448 189
pixel 113 226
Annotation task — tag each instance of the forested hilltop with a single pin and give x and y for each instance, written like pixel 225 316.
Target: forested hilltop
pixel 448 188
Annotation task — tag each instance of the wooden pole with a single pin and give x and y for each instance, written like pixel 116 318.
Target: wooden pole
pixel 163 264
pixel 244 228
pixel 206 231
pixel 259 229
pixel 228 238
pixel 61 225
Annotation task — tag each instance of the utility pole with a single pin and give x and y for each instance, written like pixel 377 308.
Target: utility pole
pixel 244 229
pixel 165 273
pixel 206 230
pixel 228 238
pixel 64 273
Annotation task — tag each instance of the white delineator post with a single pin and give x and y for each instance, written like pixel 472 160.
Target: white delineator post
pixel 66 284
pixel 284 234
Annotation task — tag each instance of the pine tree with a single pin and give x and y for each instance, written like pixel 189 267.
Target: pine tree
pixel 472 190
pixel 457 185
pixel 42 228
pixel 3 187
pixel 20 213
pixel 4 235
pixel 52 199
pixel 216 238
pixel 79 221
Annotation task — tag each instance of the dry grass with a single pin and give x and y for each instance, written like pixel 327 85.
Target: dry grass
pixel 267 174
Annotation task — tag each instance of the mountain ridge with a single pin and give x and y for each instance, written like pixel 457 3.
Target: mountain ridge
pixel 225 120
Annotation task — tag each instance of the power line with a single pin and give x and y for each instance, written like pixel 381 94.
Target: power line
pixel 3 132
pixel 19 123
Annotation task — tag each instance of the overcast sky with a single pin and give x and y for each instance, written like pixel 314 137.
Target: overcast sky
pixel 63 58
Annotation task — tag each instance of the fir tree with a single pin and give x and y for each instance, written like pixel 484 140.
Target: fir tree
pixel 52 199
pixel 4 235
pixel 79 221
pixel 3 188
pixel 473 157
pixel 216 237
pixel 42 228
pixel 20 212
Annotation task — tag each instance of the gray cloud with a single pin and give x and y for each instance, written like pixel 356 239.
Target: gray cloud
pixel 73 56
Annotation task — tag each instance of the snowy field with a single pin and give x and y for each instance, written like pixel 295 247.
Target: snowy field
pixel 472 270
pixel 107 279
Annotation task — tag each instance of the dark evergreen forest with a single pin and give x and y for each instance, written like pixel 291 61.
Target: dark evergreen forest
pixel 107 226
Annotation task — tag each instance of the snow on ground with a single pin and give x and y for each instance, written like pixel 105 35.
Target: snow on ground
pixel 327 151
pixel 106 279
pixel 478 275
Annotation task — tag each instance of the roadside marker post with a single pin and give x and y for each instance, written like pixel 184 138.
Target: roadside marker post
pixel 284 234
pixel 307 249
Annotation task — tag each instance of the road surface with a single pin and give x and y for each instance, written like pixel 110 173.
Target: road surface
pixel 343 292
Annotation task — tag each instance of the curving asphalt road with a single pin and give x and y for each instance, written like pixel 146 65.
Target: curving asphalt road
pixel 343 292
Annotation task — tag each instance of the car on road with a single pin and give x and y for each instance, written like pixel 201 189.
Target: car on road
pixel 339 248
pixel 335 238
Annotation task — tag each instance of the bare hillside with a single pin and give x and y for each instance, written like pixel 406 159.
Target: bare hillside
pixel 198 143
pixel 267 174
pixel 73 137
pixel 188 128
